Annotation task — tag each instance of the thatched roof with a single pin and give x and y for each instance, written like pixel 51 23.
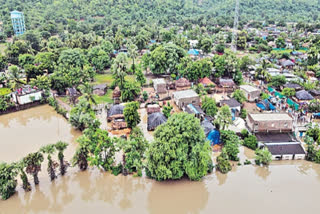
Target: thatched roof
pixel 207 127
pixel 155 120
pixel 115 109
pixel 182 82
pixel 304 95
pixel 116 92
pixel 292 85
pixel 226 82
pixel 232 103
pixel 287 63
pixel 315 92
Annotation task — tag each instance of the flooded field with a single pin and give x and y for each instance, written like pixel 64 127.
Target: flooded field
pixel 284 187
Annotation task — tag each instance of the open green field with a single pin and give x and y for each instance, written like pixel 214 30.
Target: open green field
pixel 107 98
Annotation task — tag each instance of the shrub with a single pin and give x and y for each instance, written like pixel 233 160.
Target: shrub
pixel 251 142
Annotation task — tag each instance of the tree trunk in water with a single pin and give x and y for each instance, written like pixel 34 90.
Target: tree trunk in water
pixel 62 167
pixel 35 178
pixel 124 170
pixel 52 173
pixel 25 183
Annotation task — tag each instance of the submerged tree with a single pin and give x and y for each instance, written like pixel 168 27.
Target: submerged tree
pixel 24 178
pixel 50 150
pixel 33 162
pixel 180 148
pixel 223 164
pixel 131 114
pixel 263 156
pixel 8 182
pixel 61 146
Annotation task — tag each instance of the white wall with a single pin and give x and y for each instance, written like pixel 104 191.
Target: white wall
pixel 24 99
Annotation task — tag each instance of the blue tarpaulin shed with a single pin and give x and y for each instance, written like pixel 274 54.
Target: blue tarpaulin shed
pixel 214 137
pixel 193 52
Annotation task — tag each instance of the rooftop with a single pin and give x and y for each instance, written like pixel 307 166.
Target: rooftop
pixel 270 117
pixel 285 149
pixel 232 103
pixel 275 137
pixel 185 94
pixel 249 88
pixel 159 81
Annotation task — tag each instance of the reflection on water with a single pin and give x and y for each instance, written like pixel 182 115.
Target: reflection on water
pixel 283 187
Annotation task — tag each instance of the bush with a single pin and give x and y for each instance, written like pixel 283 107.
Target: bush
pixel 263 156
pixel 247 162
pixel 239 96
pixel 243 113
pixel 251 142
pixel 244 133
pixel 223 165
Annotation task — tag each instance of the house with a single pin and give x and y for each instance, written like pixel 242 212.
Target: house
pixel 116 94
pixel 288 64
pixel 193 43
pixel 182 84
pixel 155 120
pixel 26 95
pixel 114 111
pixel 303 96
pixel 206 82
pixel 315 93
pixel 183 98
pixel 295 86
pixel 251 93
pixel 100 89
pixel 285 151
pixel 196 110
pixel 160 86
pixel 153 108
pixel 118 122
pixel 207 127
pixel 234 106
pixel 270 122
pixel 226 84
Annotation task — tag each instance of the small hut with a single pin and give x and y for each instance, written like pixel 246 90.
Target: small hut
pixel 303 95
pixel 182 84
pixel 116 94
pixel 206 82
pixel 295 86
pixel 153 108
pixel 207 127
pixel 114 111
pixel 155 120
pixel 118 122
pixel 100 89
pixel 73 94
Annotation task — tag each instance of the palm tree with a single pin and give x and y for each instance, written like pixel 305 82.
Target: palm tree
pixel 119 68
pixel 87 93
pixel 15 76
pixel 224 117
pixel 61 146
pixel 25 182
pixel 50 150
pixel 33 162
pixel 262 73
pixel 132 50
pixel 82 153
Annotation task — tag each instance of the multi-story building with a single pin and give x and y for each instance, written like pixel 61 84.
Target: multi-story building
pixel 18 23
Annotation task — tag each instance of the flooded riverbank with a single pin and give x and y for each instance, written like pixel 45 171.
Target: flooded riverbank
pixel 283 187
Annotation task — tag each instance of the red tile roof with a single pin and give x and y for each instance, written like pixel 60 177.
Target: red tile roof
pixel 205 81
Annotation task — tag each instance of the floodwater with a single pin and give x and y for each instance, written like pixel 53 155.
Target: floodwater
pixel 283 187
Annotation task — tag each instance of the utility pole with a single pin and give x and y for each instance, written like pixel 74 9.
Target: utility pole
pixel 235 28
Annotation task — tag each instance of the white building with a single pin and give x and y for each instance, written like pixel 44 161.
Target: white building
pixel 251 93
pixel 26 95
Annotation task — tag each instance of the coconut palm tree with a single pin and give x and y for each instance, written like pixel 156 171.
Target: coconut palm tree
pixel 50 150
pixel 8 181
pixel 15 75
pixel 61 146
pixel 87 93
pixel 33 162
pixel 25 182
pixel 133 53
pixel 82 153
pixel 120 68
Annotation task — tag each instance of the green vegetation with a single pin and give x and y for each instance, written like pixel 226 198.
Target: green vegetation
pixel 179 149
pixel 8 180
pixel 239 95
pixel 209 106
pixel 4 91
pixel 263 156
pixel 131 114
pixel 223 164
pixel 251 142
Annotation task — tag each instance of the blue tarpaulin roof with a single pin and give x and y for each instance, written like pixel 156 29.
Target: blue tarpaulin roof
pixel 214 137
pixel 193 52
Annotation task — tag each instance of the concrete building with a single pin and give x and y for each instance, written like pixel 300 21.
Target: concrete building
pixel 251 93
pixel 26 95
pixel 286 151
pixel 18 24
pixel 270 122
pixel 183 98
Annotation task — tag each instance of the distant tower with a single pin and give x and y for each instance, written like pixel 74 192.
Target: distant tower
pixel 235 28
pixel 18 24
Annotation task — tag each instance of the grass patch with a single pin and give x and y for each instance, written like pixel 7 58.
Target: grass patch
pixel 107 98
pixel 2 48
pixel 4 91
pixel 108 79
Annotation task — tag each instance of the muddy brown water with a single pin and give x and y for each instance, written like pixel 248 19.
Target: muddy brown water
pixel 283 187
